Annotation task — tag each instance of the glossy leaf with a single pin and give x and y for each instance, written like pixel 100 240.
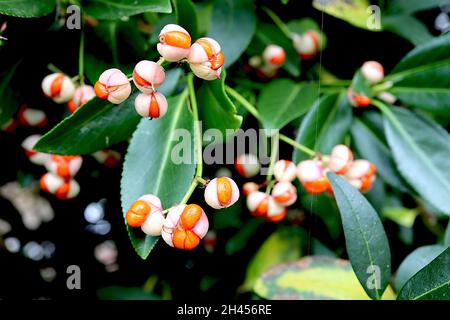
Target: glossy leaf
pixel 117 9
pixel 366 241
pixel 371 147
pixel 352 11
pixel 216 109
pixel 283 100
pixel 432 282
pixel 411 6
pixel 283 245
pixel 447 235
pixel 26 8
pixel 313 278
pixel 408 27
pixel 233 26
pixel 270 34
pixel 187 16
pixel 325 125
pixel 420 148
pixel 415 261
pixel 404 217
pixel 8 102
pixel 151 167
pixel 97 124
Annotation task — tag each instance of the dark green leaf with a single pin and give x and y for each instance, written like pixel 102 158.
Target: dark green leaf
pixel 125 293
pixel 215 107
pixel 26 8
pixel 240 239
pixel 432 282
pixel 283 245
pixel 117 9
pixel 372 148
pixel 408 27
pixel 411 6
pixel 325 125
pixel 187 16
pixel 366 241
pixel 150 166
pixel 283 100
pixel 360 85
pixel 420 148
pixel 447 235
pixel 233 26
pixel 415 261
pixel 8 102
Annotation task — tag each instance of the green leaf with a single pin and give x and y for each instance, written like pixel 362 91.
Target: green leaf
pixel 187 16
pixel 371 147
pixel 313 278
pixel 8 102
pixel 26 8
pixel 270 34
pixel 125 293
pixel 283 100
pixel 360 85
pixel 411 6
pixel 117 9
pixel 216 109
pixel 233 25
pixel 150 166
pixel 303 25
pixel 366 241
pixel 98 124
pixel 420 148
pixel 240 239
pixel 402 216
pixel 432 282
pixel 283 245
pixel 94 67
pixel 415 261
pixel 353 11
pixel 325 125
pixel 408 27
pixel 447 235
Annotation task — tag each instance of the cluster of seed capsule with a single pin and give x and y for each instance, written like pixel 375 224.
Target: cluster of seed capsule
pixel 359 173
pixel 186 224
pixel 205 59
pixel 373 72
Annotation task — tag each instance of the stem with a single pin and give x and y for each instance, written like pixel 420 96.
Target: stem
pixel 161 61
pixel 81 55
pixel 54 68
pixel 197 139
pixel 244 102
pixel 280 24
pixel 113 39
pixel 201 181
pixel 382 87
pixel 273 157
pixel 297 145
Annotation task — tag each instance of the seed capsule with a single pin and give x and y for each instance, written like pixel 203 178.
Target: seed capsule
pixel 185 226
pixel 9 126
pixel 258 203
pixel 274 55
pixel 113 85
pixel 62 189
pixel 221 193
pixel 307 45
pixel 249 187
pixel 82 95
pixel 32 117
pixel 312 176
pixel 364 171
pixel 358 100
pixel 153 105
pixel 64 166
pixel 59 87
pixel 284 170
pixel 247 165
pixel 34 156
pixel 340 159
pixel 174 43
pixel 373 71
pixel 284 193
pixel 206 59
pixel 141 209
pixel 275 211
pixel 148 76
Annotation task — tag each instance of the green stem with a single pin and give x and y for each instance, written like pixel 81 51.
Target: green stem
pixel 201 181
pixel 54 68
pixel 113 39
pixel 197 140
pixel 273 158
pixel 382 87
pixel 81 56
pixel 280 24
pixel 244 102
pixel 297 145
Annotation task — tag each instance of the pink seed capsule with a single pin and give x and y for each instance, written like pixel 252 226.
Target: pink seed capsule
pixel 274 55
pixel 59 87
pixel 62 189
pixel 284 170
pixel 32 117
pixel 284 193
pixel 64 166
pixel 307 45
pixel 174 43
pixel 107 157
pixel 275 211
pixel 221 193
pixel 82 95
pixel 373 71
pixel 34 156
pixel 340 159
pixel 309 171
pixel 206 59
pixel 113 85
pixel 258 203
pixel 153 105
pixel 148 76
pixel 249 187
pixel 247 165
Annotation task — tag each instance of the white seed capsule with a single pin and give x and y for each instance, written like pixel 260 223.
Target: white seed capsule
pixel 62 189
pixel 309 171
pixel 274 55
pixel 284 170
pixel 34 156
pixel 340 159
pixel 58 87
pixel 284 193
pixel 148 76
pixel 32 117
pixel 221 193
pixel 373 71
pixel 153 224
pixel 174 43
pixel 153 105
pixel 247 165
